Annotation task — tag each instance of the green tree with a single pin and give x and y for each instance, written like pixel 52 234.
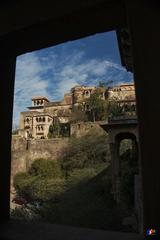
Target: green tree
pixel 114 110
pixel 97 107
pixel 78 114
pixel 54 129
pixel 43 181
pixel 81 154
pixel 101 84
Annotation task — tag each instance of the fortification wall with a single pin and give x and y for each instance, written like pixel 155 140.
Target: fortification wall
pixel 25 152
pixel 82 128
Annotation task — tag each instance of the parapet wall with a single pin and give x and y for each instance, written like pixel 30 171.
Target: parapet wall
pixel 24 152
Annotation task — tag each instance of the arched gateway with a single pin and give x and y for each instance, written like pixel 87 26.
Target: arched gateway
pixel 118 129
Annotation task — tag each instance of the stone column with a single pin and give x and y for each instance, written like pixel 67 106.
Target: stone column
pixel 7 75
pixel 114 148
pixel 143 21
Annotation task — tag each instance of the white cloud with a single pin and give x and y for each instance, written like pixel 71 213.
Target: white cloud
pixel 86 72
pixel 53 75
pixel 28 82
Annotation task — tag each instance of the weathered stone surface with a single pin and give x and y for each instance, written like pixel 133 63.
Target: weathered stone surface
pixel 24 152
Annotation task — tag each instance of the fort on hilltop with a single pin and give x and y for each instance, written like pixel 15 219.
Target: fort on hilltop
pixel 35 122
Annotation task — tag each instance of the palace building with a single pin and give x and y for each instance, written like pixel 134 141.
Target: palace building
pixel 35 122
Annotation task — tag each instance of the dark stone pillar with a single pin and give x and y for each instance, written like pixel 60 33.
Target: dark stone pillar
pixel 7 75
pixel 114 148
pixel 143 21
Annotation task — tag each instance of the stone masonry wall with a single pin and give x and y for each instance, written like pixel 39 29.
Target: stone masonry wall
pixel 25 152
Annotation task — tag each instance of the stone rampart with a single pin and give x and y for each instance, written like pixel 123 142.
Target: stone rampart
pixel 24 152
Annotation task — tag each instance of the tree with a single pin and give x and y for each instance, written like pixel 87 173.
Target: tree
pixel 43 181
pixel 54 129
pixel 114 110
pixel 105 84
pixel 97 107
pixel 65 129
pixel 57 129
pixel 102 84
pixel 78 114
pixel 80 153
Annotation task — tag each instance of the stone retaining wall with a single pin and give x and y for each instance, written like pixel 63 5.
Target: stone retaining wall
pixel 24 152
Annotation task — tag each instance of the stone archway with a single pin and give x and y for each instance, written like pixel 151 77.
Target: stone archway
pixel 126 128
pixel 116 158
pixel 117 130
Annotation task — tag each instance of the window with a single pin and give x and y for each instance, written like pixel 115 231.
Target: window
pixel 87 93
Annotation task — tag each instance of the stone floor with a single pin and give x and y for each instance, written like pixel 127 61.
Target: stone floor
pixel 19 230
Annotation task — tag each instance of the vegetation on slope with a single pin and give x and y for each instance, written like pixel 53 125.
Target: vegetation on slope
pixel 75 190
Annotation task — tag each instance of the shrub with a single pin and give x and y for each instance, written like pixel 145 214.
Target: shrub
pixel 114 110
pixel 43 181
pixel 47 189
pixel 85 151
pixel 23 184
pixel 45 169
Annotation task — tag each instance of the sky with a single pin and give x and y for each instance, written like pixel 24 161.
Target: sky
pixel 53 71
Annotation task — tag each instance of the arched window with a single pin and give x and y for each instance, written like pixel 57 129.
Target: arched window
pixel 102 95
pixel 126 107
pixel 87 107
pixel 43 119
pixel 133 107
pixel 37 119
pixel 87 93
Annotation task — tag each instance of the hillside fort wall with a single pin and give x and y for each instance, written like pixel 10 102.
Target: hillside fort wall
pixel 24 151
pixel 32 140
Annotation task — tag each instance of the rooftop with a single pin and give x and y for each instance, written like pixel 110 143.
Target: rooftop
pixel 51 104
pixel 40 98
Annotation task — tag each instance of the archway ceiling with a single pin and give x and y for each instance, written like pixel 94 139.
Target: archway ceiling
pixel 32 25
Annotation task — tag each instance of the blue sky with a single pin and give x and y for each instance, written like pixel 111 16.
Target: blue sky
pixel 53 71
